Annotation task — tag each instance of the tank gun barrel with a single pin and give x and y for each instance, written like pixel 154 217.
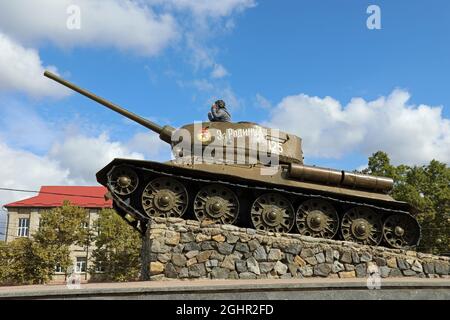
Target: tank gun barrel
pixel 165 132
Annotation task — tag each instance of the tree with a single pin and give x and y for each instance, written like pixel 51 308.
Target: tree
pixel 24 261
pixel 32 261
pixel 5 256
pixel 118 248
pixel 427 188
pixel 63 226
pixel 380 165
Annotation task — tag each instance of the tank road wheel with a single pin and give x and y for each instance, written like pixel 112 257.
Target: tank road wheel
pixel 216 203
pixel 272 212
pixel 165 197
pixel 401 231
pixel 123 180
pixel 317 218
pixel 362 225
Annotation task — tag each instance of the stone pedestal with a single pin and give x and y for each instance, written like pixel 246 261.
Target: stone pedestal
pixel 184 249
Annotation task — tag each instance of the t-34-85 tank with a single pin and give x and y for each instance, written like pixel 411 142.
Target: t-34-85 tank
pixel 242 183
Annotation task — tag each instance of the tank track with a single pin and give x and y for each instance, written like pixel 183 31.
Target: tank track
pixel 131 207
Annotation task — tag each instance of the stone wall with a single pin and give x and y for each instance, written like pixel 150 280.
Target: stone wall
pixel 183 249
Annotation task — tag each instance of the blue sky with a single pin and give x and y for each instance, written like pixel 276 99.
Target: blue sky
pixel 277 49
pixel 273 62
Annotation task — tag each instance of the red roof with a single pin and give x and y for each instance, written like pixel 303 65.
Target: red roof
pixel 54 196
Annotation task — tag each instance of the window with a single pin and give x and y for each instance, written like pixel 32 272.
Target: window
pixel 81 265
pixel 59 269
pixel 100 268
pixel 24 227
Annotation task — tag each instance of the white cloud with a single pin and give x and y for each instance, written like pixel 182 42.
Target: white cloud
pixel 202 85
pixel 219 71
pixel 143 27
pixel 209 8
pixel 262 102
pixel 24 170
pixel 208 20
pixel 151 146
pixel 202 56
pixel 64 152
pixel 227 94
pixel 124 25
pixel 84 156
pixel 409 134
pixel 21 126
pixel 22 70
pixel 214 91
pixel 74 161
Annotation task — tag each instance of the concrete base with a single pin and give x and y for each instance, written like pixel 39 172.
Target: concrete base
pixel 294 289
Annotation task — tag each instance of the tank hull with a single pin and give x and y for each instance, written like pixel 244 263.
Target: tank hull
pixel 251 191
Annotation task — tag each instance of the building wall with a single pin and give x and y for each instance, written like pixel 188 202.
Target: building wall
pixel 33 215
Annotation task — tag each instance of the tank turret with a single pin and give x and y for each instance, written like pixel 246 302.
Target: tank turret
pixel 232 188
pixel 241 142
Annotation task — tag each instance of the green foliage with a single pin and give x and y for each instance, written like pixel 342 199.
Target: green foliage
pixel 24 261
pixel 118 248
pixel 5 254
pixel 32 261
pixel 63 226
pixel 428 189
pixel 379 165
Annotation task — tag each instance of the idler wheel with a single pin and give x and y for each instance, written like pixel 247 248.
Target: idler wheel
pixel 362 225
pixel 272 212
pixel 401 231
pixel 317 218
pixel 123 180
pixel 216 203
pixel 165 197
